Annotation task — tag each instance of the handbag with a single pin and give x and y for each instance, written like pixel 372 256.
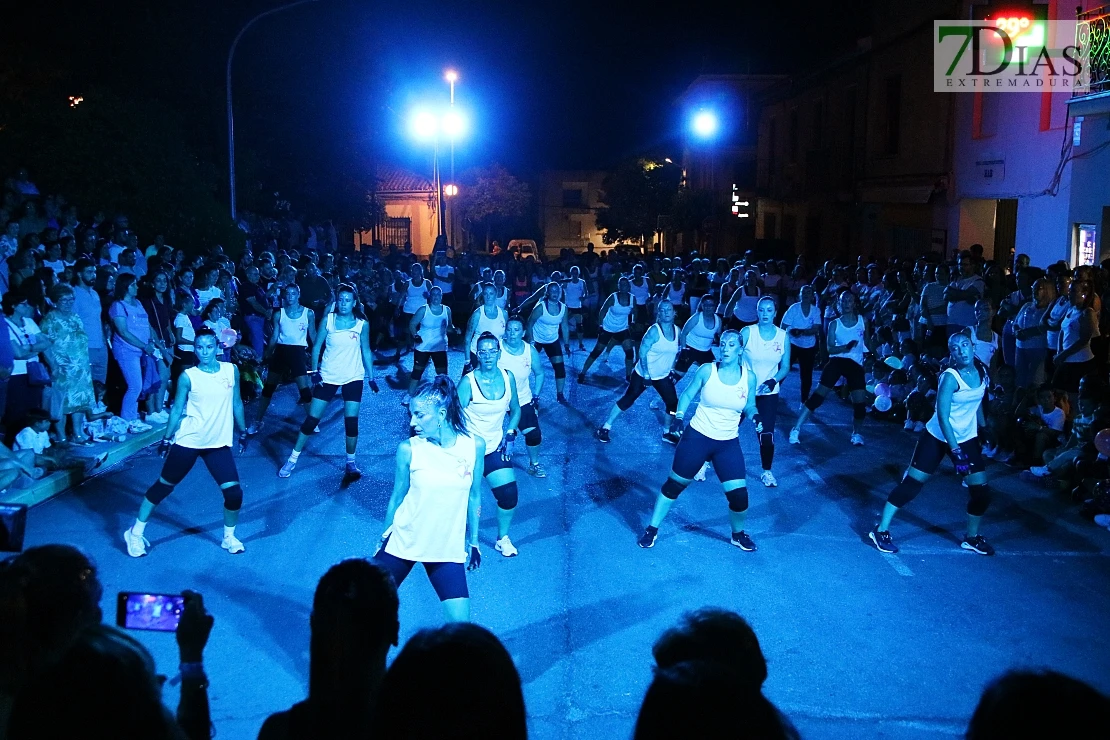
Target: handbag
pixel 37 374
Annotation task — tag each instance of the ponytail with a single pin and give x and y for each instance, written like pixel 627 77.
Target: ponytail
pixel 440 390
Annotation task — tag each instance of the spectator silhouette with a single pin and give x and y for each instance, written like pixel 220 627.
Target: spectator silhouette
pixel 1039 704
pixel 711 634
pixel 456 682
pixel 354 622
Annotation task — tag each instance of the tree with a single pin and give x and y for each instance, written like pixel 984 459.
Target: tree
pixel 493 196
pixel 635 195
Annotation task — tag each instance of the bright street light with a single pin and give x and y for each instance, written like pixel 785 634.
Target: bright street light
pixel 453 124
pixel 450 190
pixel 705 124
pixel 451 76
pixel 425 125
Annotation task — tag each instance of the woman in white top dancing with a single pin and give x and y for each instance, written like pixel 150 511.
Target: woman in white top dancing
pixel 767 355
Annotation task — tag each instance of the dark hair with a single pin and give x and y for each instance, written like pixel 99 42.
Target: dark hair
pixel 34 416
pixel 214 303
pixel 83 264
pixel 346 288
pixel 441 391
pixel 487 336
pixel 713 634
pixel 123 282
pixel 1039 704
pixel 436 663
pixel 512 317
pixel 12 299
pixel 205 331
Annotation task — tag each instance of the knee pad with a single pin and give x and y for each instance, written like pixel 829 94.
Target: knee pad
pixel 233 497
pixel 157 493
pixel 671 489
pixel 306 395
pixel 905 491
pixel 814 400
pixel 560 370
pixel 268 390
pixel 533 437
pixel 350 426
pixel 309 425
pixel 859 411
pixel 507 496
pixel 737 499
pixel 980 499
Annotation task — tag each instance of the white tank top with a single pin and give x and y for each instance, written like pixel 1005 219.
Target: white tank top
pixel 660 356
pixel 209 420
pixel 430 524
pixel 432 330
pixel 677 297
pixel 616 318
pixel 1057 311
pixel 1069 335
pixel 640 293
pixel 415 296
pixel 342 360
pixel 744 308
pixel 762 356
pixel 984 351
pixel 546 328
pixel 963 412
pixel 293 331
pixel 502 297
pixel 444 278
pixel 486 417
pixel 495 326
pixel 721 406
pixel 573 292
pixel 521 368
pixel 846 334
pixel 700 337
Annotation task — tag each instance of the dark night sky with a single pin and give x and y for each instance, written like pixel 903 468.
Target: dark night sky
pixel 558 84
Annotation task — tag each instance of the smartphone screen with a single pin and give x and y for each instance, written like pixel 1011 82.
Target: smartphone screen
pixel 160 612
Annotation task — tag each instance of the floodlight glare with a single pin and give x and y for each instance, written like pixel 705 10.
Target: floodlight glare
pixel 453 124
pixel 424 125
pixel 451 76
pixel 705 124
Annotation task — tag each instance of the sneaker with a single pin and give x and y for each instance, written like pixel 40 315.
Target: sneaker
pixel 701 474
pixel 287 469
pixel 537 471
pixel 883 542
pixel 352 472
pixel 671 437
pixel 137 426
pixel 768 479
pixel 602 434
pixel 1040 471
pixel 794 436
pixel 989 451
pixel 977 544
pixel 505 547
pixel 232 544
pixel 919 427
pixel 857 440
pixel 254 428
pixel 647 539
pixel 560 398
pixel 1102 520
pixel 908 426
pixel 743 541
pixel 136 543
pixel 581 378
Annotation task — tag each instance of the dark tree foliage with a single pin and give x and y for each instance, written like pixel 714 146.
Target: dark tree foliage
pixel 635 195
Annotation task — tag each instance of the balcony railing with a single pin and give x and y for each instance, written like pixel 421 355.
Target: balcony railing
pixel 1094 32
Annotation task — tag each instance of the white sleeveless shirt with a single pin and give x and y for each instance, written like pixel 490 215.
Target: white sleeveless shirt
pixel 342 360
pixel 762 356
pixel 573 292
pixel 963 412
pixel 677 297
pixel 293 331
pixel 432 330
pixel 485 417
pixel 502 297
pixel 415 296
pixel 616 318
pixel 700 336
pixel 660 356
pixel 495 326
pixel 745 307
pixel 640 293
pixel 430 524
pixel 209 420
pixel 721 406
pixel 521 368
pixel 546 328
pixel 845 334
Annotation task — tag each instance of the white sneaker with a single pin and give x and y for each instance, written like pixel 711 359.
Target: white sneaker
pixel 254 428
pixel 919 427
pixel 989 451
pixel 794 436
pixel 136 543
pixel 857 440
pixel 700 475
pixel 1040 471
pixel 232 544
pixel 287 469
pixel 137 426
pixel 768 479
pixel 908 426
pixel 505 547
pixel 1102 520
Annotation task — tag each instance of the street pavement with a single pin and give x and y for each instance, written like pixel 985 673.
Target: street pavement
pixel 856 642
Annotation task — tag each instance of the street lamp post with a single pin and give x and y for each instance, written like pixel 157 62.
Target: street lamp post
pixel 452 76
pixel 230 113
pixel 429 126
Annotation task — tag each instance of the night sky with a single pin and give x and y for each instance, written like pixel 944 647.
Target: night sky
pixel 546 85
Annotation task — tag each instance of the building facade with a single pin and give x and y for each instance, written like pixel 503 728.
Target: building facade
pixel 568 205
pixel 410 212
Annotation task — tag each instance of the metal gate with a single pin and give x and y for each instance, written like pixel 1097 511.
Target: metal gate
pixel 397 231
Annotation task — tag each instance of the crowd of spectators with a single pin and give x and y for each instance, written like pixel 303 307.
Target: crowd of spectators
pixel 66 674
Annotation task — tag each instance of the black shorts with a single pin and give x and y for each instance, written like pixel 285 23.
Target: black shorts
pixel 494 461
pixel 180 460
pixel 930 451
pixel 841 367
pixel 289 361
pixel 352 392
pixel 690 356
pixel 529 419
pixel 637 384
pixel 580 311
pixel 695 449
pixel 448 579
pixel 553 350
pixel 619 337
pixel 420 362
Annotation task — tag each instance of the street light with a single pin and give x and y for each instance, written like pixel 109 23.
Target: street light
pixel 428 126
pixel 230 114
pixel 705 124
pixel 450 190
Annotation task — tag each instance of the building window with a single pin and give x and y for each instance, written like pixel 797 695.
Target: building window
pixel 892 114
pixel 572 198
pixel 793 135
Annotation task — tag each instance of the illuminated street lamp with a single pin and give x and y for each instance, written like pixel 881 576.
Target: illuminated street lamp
pixel 705 124
pixel 450 190
pixel 428 126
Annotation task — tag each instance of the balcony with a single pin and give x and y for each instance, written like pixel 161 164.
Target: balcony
pixel 1094 30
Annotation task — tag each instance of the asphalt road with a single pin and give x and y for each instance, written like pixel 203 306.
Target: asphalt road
pixel 856 641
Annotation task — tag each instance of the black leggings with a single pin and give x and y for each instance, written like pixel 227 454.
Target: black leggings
pixel 927 456
pixel 637 384
pixel 554 352
pixel 768 408
pixel 806 357
pixel 180 460
pixel 690 356
pixel 420 362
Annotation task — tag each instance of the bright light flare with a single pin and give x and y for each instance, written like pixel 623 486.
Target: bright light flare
pixel 451 76
pixel 450 190
pixel 424 125
pixel 453 124
pixel 705 124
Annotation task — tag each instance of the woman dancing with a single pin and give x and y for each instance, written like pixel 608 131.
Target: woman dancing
pixel 549 330
pixel 614 323
pixel 767 356
pixel 523 361
pixel 429 328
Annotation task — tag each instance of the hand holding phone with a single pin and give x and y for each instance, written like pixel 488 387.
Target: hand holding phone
pixel 157 612
pixel 194 628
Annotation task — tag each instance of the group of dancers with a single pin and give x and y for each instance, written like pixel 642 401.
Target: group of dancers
pixel 462 434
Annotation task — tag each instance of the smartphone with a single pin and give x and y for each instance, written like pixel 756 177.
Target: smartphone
pixel 158 612
pixel 13 523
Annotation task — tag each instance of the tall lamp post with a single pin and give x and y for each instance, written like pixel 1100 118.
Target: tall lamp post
pixel 230 113
pixel 452 76
pixel 429 126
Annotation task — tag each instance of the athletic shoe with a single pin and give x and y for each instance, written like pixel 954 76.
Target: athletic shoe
pixel 352 472
pixel 1040 471
pixel 743 541
pixel 505 547
pixel 560 398
pixel 602 434
pixel 857 440
pixel 254 428
pixel 537 471
pixel 1102 520
pixel 232 544
pixel 158 417
pixel 671 437
pixel 287 469
pixel 136 543
pixel 908 426
pixel 701 474
pixel 882 541
pixel 794 436
pixel 581 347
pixel 581 378
pixel 768 479
pixel 977 544
pixel 919 427
pixel 137 426
pixel 647 539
